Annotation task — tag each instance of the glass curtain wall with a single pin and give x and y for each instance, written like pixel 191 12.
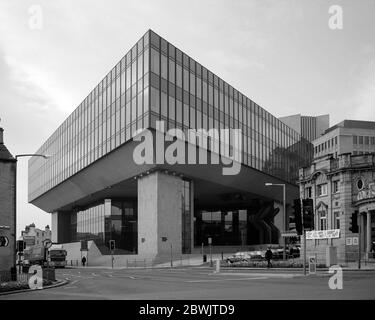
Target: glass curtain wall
pixel 105 119
pixel 110 220
pixel 186 218
pixel 224 227
pixel 186 95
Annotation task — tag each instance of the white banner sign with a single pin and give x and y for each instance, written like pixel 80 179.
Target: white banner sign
pixel 323 234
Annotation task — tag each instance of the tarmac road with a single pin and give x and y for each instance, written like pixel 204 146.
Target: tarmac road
pixel 200 283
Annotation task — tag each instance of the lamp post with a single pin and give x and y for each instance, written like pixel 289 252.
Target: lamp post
pixel 45 156
pixel 284 213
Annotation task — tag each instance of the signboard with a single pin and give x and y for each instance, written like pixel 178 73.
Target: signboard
pixel 349 241
pixel 323 234
pixel 355 241
pixel 368 193
pixel 4 241
pixel 209 240
pixel 30 240
pixel 289 234
pixel 312 265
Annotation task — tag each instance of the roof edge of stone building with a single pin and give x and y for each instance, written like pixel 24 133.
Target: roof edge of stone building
pixel 355 124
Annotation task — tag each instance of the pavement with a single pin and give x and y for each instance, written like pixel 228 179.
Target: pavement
pixel 200 283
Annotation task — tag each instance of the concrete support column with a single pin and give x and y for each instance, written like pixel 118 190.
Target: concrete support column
pixel 54 226
pixel 159 215
pixel 60 227
pixel 368 233
pixel 192 216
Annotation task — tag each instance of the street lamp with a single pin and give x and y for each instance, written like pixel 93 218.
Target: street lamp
pixel 268 184
pixel 45 156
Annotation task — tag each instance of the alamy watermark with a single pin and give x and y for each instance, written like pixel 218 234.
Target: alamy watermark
pixel 178 147
pixel 35 21
pixel 336 281
pixel 336 19
pixel 36 280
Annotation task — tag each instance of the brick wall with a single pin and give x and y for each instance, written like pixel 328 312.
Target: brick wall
pixel 7 175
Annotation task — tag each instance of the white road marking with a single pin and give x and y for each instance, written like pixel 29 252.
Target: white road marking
pixel 216 280
pixel 71 287
pixel 268 275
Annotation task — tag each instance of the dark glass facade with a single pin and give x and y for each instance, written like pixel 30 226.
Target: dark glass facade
pixel 104 221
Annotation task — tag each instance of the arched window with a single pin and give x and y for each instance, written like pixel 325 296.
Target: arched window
pixel 323 220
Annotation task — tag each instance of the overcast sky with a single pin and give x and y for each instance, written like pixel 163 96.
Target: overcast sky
pixel 281 54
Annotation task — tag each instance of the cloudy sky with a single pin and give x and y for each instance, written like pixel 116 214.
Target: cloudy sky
pixel 280 53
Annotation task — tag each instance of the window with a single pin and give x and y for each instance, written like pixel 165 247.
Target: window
pixel 323 220
pixel 308 193
pixel 355 139
pixel 373 140
pixel 322 190
pixel 336 219
pixel 360 184
pixel 360 140
pixel 367 140
pixel 155 61
pixel 335 186
pixel 164 68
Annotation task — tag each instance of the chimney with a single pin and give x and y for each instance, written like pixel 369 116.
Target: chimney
pixel 1 136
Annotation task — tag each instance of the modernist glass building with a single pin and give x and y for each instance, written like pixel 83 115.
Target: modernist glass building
pixel 91 155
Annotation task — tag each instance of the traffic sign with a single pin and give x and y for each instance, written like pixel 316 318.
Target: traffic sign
pixel 312 265
pixel 47 243
pixel 4 241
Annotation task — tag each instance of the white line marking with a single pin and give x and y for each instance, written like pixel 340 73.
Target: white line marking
pixel 215 280
pixel 268 275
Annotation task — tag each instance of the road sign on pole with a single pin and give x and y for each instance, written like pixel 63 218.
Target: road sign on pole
pixel 47 243
pixel 312 265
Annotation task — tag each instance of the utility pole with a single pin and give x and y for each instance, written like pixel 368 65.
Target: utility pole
pixel 304 251
pixel 304 240
pixel 359 240
pixel 171 257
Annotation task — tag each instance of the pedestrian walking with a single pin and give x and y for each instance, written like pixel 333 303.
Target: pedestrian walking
pixel 269 257
pixel 83 261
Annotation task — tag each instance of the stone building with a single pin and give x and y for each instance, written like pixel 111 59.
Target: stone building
pixel 339 188
pixel 7 206
pixel 34 236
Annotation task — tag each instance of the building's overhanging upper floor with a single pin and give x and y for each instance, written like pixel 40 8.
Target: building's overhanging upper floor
pixel 155 81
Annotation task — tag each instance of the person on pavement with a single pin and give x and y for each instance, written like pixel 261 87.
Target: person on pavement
pixel 83 261
pixel 269 257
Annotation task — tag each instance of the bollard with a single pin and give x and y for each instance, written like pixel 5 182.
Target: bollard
pixel 217 267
